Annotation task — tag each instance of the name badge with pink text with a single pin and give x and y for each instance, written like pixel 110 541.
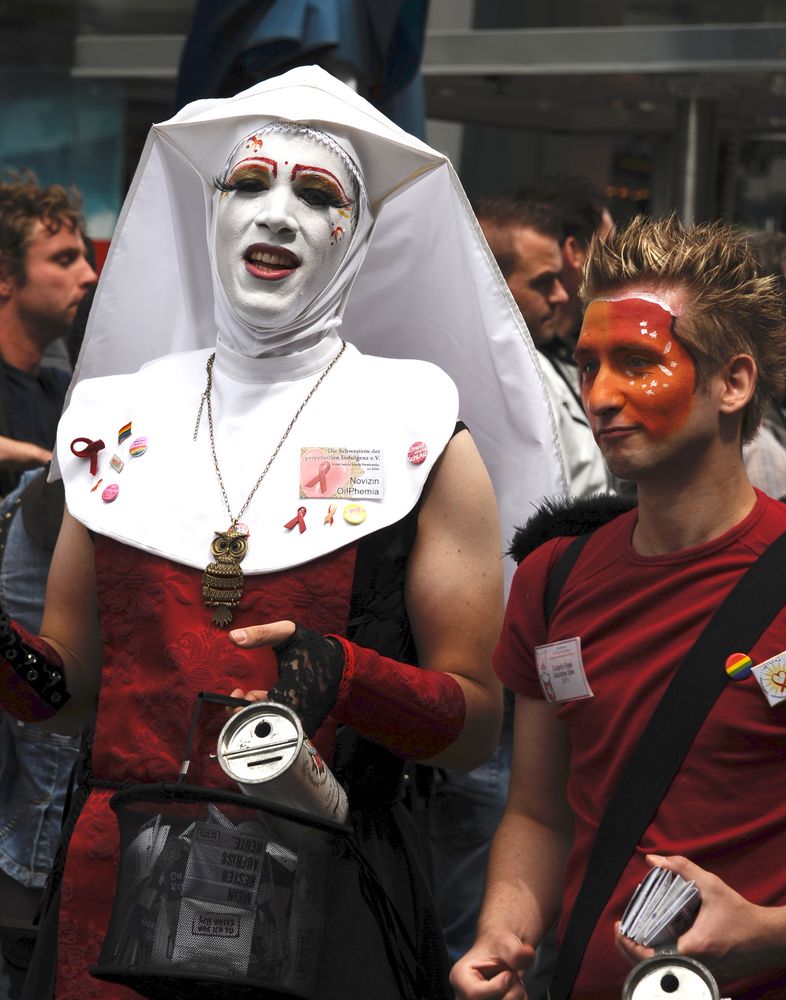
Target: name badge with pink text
pixel 561 671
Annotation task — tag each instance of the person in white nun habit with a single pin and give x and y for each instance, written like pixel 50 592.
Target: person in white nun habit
pixel 258 509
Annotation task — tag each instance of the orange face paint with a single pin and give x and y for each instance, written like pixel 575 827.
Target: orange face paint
pixel 633 366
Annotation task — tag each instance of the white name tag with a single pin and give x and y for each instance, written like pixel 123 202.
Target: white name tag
pixel 561 671
pixel 771 678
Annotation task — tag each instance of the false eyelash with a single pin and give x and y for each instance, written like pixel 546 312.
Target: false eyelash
pixel 335 202
pixel 345 203
pixel 223 184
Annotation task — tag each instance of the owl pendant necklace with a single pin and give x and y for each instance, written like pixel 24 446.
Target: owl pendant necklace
pixel 222 581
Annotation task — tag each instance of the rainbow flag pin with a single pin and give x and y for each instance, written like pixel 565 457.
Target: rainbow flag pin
pixel 124 432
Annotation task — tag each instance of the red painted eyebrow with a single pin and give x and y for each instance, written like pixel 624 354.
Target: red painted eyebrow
pixel 298 167
pixel 258 159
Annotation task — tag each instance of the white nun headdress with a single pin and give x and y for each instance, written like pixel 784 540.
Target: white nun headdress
pixel 427 288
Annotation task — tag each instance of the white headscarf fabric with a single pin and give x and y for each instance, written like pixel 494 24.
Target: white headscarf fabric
pixel 422 284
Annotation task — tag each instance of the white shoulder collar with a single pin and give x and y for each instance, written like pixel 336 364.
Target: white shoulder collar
pixel 351 442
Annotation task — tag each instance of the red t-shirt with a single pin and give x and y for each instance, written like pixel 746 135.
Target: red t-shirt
pixel 637 617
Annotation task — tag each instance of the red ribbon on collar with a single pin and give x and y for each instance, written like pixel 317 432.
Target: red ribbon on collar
pixel 298 519
pixel 90 451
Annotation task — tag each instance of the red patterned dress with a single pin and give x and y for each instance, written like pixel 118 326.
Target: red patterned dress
pixel 160 650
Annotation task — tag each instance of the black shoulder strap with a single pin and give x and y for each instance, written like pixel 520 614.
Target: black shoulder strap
pixel 561 572
pixel 736 625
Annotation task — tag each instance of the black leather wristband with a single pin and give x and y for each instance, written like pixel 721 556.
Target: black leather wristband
pixel 38 667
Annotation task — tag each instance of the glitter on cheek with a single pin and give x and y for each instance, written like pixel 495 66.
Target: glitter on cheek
pixel 661 416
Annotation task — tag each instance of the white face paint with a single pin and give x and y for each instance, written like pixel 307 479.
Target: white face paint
pixel 283 227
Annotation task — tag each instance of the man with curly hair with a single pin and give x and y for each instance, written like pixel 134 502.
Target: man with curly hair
pixel 681 346
pixel 44 276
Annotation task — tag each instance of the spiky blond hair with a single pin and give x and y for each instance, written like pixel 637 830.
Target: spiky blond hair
pixel 730 308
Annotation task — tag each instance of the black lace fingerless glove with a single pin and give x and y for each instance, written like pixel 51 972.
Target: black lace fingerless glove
pixel 310 667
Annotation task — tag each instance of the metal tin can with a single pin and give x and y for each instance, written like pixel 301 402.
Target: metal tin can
pixel 670 977
pixel 264 749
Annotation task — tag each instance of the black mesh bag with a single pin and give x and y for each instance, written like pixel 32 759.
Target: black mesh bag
pixel 222 895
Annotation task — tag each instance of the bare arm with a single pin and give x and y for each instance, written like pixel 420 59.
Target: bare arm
pixel 454 594
pixel 21 455
pixel 524 879
pixel 70 623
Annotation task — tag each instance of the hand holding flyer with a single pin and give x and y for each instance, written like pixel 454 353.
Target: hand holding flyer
pixel 661 909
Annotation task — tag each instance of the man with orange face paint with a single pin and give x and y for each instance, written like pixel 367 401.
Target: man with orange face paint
pixel 638 382
pixel 682 345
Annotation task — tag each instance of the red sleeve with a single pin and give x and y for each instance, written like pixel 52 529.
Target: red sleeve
pixel 524 626
pixel 414 713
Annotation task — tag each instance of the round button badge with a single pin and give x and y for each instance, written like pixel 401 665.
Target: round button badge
pixel 354 513
pixel 417 453
pixel 739 666
pixel 138 447
pixel 110 493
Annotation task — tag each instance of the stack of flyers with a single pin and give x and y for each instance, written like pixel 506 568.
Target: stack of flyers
pixel 142 853
pixel 662 908
pixel 135 920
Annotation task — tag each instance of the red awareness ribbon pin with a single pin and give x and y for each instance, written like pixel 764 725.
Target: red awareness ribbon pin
pixel 324 468
pixel 299 519
pixel 90 451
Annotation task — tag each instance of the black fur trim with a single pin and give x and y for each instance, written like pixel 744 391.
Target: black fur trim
pixel 567 516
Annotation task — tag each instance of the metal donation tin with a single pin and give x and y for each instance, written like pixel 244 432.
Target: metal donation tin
pixel 670 977
pixel 264 749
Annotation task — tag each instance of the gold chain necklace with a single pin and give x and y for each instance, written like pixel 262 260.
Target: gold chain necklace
pixel 222 581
